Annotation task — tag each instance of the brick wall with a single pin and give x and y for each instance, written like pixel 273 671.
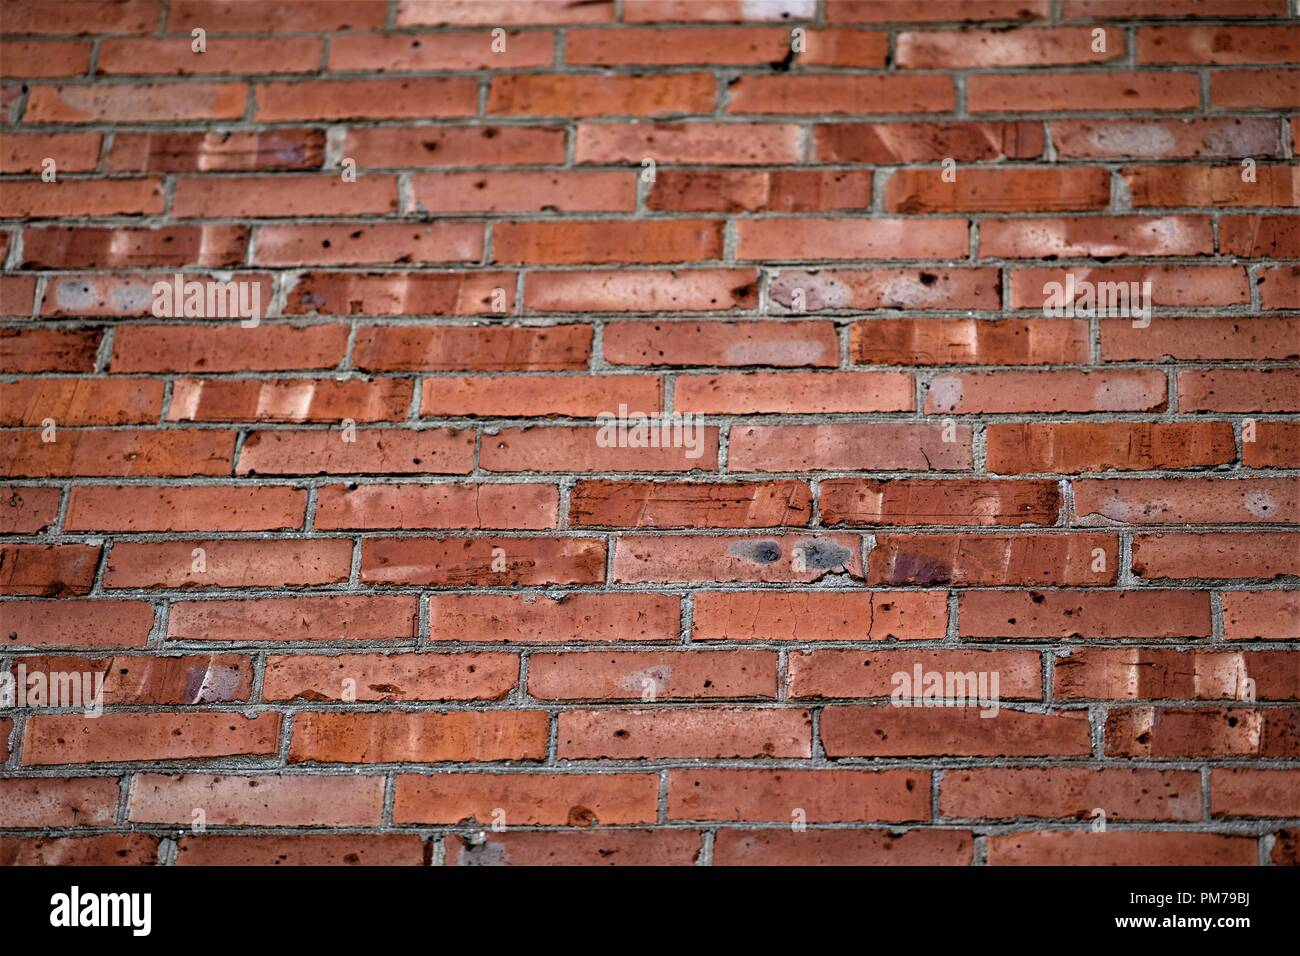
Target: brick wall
pixel 368 577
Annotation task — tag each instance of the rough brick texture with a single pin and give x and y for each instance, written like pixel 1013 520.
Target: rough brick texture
pixel 365 583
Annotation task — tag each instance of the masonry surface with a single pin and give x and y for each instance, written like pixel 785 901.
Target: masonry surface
pixel 363 578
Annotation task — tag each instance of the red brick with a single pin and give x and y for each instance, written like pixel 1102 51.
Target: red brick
pixel 1201 338
pixel 221 16
pixel 47 570
pixel 652 675
pixel 705 559
pixel 1254 89
pixel 1215 186
pixel 366 99
pixel 904 288
pixel 842 847
pixel 576 450
pixel 693 290
pixel 956 501
pixel 175 57
pixel 1187 501
pixel 118 296
pixel 702 11
pixel 875 447
pixel 257 800
pixel 399 293
pixel 1015 47
pixel 528 396
pixel 395 677
pixel 1037 392
pixel 1101 615
pixel 679 47
pixel 1076 793
pixel 175 681
pixel 795 392
pixel 1239 390
pixel 1127 446
pixel 1192 138
pixel 217 151
pixel 1276 445
pixel 1120 848
pixel 58 802
pixel 44 58
pixel 1249 615
pixel 72 152
pixel 81 401
pixel 528 799
pixel 135 508
pixel 76 247
pixel 1164 733
pixel 1218 45
pixel 1169 285
pixel 694 142
pixel 969 341
pixel 333 618
pixel 799 239
pixel 789 344
pixel 82 197
pixel 117 738
pixel 820 615
pixel 1094 236
pixel 644 504
pixel 227 348
pixel 472 561
pixel 497 12
pixel 48 350
pixel 928 93
pixel 684 732
pixel 885 11
pixel 538 619
pixel 326 849
pixel 1251 792
pixel 998 190
pixel 604 241
pixel 824 796
pixel 845 673
pixel 136 103
pixel 557 94
pixel 522 507
pixel 1258 554
pixel 390 146
pixel 423 737
pixel 399 53
pixel 450 349
pixel 1091 9
pixel 289 400
pixel 886 731
pixel 1042 92
pixel 1020 559
pixel 294 194
pixel 623 847
pixel 17 294
pixel 30 510
pixel 374 452
pixel 65 623
pixel 117 454
pixel 922 142
pixel 262 563
pixel 1279 287
pixel 359 243
pixel 1103 673
pixel 1260 237
pixel 508 191
pixel 759 190
pixel 109 849
pixel 852 48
